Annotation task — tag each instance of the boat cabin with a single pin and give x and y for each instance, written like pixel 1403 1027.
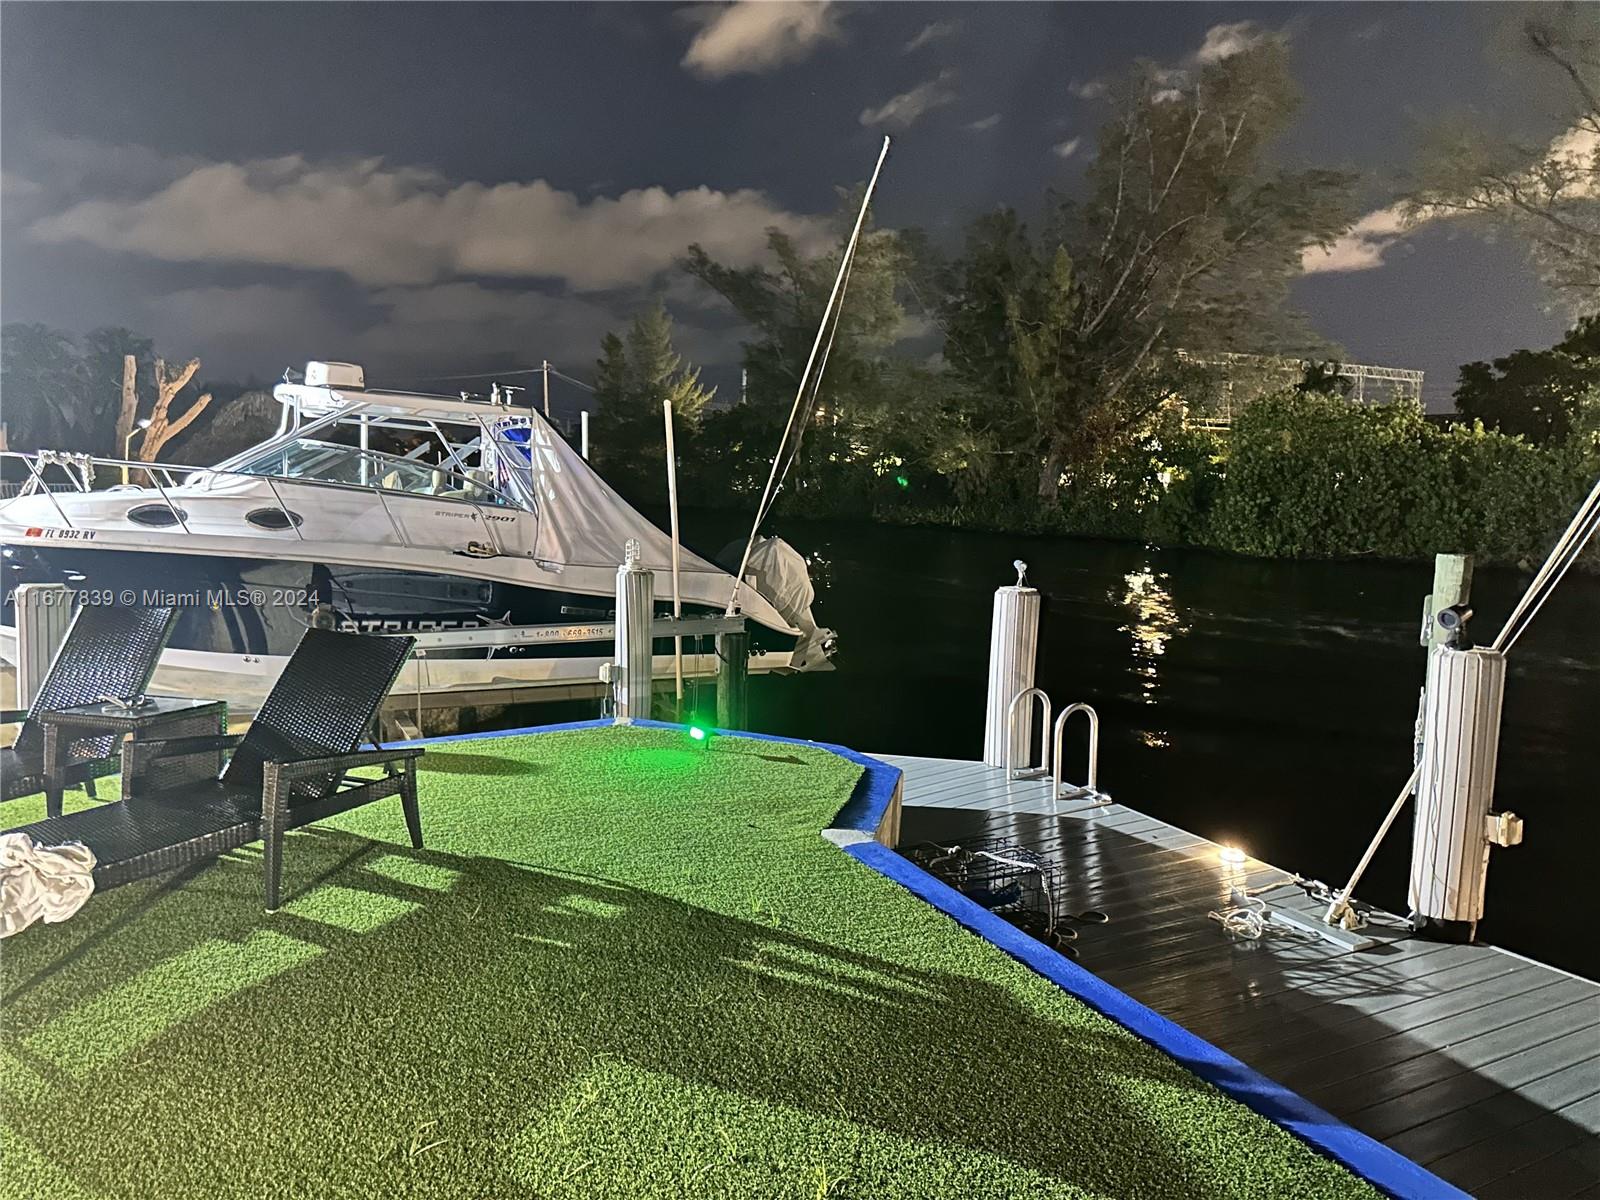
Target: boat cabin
pixel 334 430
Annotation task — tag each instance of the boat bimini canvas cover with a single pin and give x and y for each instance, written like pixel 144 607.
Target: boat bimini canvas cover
pixel 584 527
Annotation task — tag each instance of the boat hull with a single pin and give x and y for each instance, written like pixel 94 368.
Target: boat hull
pixel 240 618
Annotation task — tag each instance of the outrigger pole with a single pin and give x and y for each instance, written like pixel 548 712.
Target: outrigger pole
pixel 825 329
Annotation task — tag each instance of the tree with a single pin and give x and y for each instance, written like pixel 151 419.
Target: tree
pixel 658 373
pixel 41 388
pixel 1546 191
pixel 1541 394
pixel 876 411
pixel 1187 238
pixel 63 394
pixel 163 427
pixel 784 307
pixel 1322 378
pixel 110 386
pixel 633 377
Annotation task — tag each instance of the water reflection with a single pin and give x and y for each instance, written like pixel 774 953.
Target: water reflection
pixel 1153 622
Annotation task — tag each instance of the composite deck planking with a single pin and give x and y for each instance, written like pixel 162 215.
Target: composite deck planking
pixel 1477 1063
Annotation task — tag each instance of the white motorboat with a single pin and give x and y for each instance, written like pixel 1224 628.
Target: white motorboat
pixel 469 523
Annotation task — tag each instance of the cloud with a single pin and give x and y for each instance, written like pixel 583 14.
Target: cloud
pixel 931 33
pixel 471 319
pixel 74 166
pixel 220 322
pixel 1576 155
pixel 1220 42
pixel 1224 41
pixel 457 325
pixel 903 111
pixel 20 198
pixel 983 124
pixel 1359 248
pixel 384 225
pixel 751 36
pixel 15 187
pixel 1067 148
pixel 1362 247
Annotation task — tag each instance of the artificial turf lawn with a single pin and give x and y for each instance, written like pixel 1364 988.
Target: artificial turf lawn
pixel 624 966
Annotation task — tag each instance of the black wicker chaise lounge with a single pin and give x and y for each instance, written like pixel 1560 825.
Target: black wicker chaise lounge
pixel 288 770
pixel 108 651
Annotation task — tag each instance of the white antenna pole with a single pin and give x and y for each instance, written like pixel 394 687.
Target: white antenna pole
pixel 583 433
pixel 677 594
pixel 545 370
pixel 800 392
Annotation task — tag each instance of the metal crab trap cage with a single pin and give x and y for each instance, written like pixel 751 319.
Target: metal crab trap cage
pixel 1008 880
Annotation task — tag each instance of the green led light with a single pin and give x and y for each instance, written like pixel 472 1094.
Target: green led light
pixel 902 481
pixel 697 733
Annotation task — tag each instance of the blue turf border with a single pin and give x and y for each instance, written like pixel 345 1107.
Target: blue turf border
pixel 1387 1170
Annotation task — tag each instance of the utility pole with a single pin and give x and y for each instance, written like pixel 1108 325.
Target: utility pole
pixel 546 371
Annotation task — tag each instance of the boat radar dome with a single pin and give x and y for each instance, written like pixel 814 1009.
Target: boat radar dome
pixel 335 375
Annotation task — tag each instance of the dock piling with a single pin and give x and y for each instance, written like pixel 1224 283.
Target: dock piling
pixel 1013 646
pixel 733 680
pixel 634 673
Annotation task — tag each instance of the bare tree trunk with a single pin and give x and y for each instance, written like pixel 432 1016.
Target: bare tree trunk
pixel 162 428
pixel 129 411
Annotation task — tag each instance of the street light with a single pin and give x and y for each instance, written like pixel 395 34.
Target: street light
pixel 127 445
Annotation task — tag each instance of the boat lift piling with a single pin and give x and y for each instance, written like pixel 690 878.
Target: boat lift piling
pixel 733 679
pixel 44 614
pixel 633 670
pixel 634 636
pixel 1013 646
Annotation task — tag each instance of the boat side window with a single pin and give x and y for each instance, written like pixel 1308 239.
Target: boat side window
pixel 328 462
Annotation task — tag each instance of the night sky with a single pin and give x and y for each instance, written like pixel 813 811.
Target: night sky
pixel 431 189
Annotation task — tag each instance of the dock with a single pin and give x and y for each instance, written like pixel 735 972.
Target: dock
pixel 1479 1064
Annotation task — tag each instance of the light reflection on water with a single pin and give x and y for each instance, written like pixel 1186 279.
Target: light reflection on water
pixel 1153 621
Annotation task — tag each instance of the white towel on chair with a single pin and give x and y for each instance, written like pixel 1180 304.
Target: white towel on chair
pixel 41 883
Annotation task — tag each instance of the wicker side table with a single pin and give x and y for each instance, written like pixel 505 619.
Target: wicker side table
pixel 159 717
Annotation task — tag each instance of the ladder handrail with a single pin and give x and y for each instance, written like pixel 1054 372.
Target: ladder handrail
pixel 1011 732
pixel 1091 789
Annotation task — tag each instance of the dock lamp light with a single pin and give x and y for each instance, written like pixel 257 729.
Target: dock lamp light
pixel 699 733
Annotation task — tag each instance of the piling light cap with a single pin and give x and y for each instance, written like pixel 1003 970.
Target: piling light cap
pixel 1022 572
pixel 630 552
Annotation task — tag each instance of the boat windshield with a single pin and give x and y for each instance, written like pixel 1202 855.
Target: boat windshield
pixel 328 462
